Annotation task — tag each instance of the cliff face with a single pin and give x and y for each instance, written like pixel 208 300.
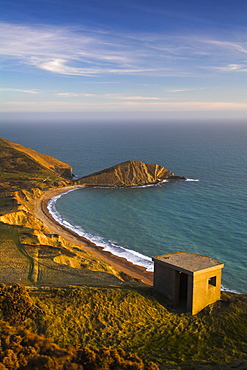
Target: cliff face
pixel 130 173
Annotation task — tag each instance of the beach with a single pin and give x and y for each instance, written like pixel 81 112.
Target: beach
pixel 42 213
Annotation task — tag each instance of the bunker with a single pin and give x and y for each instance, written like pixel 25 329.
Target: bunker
pixel 191 281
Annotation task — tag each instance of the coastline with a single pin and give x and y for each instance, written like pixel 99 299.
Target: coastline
pixel 42 213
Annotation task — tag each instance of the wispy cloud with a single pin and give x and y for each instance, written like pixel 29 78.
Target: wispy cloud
pixel 122 105
pixel 20 90
pixel 60 66
pixel 139 98
pixel 232 68
pixel 180 90
pixel 106 96
pixel 81 52
pixel 237 46
pixel 71 95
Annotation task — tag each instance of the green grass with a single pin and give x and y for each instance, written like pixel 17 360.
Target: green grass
pixel 14 263
pixel 21 256
pixel 137 320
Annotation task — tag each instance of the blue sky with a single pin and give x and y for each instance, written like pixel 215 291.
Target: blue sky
pixel 166 58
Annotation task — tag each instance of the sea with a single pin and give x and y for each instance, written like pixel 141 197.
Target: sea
pixel 206 214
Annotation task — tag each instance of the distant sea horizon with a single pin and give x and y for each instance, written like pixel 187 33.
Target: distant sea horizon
pixel 206 215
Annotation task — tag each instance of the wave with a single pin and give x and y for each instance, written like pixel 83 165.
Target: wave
pixel 107 245
pixel 140 186
pixel 222 288
pixel 130 187
pixel 130 255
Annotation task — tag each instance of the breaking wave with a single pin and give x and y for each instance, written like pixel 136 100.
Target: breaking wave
pixel 130 255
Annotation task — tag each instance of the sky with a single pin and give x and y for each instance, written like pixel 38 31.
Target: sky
pixel 143 58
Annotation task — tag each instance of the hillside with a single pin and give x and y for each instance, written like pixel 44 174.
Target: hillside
pixel 104 325
pixel 24 168
pixel 130 173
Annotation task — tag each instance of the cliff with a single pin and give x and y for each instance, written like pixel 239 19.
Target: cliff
pixel 130 173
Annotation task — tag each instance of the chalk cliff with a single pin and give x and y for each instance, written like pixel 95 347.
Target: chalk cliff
pixel 130 173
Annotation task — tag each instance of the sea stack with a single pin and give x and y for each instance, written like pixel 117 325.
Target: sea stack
pixel 128 174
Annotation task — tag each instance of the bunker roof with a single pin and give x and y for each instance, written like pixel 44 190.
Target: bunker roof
pixel 188 262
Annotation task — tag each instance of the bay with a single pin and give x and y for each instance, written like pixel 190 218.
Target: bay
pixel 207 216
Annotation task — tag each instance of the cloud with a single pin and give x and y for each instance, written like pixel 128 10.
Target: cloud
pixel 233 46
pixel 20 90
pixel 139 98
pixel 60 66
pixel 180 90
pixel 106 96
pixel 122 106
pixel 232 67
pixel 67 95
pixel 70 94
pixel 84 52
pixel 66 51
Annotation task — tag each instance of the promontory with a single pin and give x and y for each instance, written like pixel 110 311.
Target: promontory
pixel 128 174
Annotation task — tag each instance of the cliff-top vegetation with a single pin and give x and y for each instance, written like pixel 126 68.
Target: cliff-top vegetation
pixel 92 327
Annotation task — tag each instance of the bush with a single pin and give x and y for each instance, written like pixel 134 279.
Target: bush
pixel 22 350
pixel 16 306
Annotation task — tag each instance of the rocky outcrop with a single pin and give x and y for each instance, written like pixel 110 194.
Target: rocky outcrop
pixel 126 174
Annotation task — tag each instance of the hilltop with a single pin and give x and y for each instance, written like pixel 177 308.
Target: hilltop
pixel 129 173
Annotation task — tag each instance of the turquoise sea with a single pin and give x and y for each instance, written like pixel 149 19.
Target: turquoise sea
pixel 206 215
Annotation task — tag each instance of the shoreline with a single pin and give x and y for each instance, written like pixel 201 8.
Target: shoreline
pixel 42 213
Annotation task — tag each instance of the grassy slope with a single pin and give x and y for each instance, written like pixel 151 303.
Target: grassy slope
pixel 137 320
pixel 18 170
pixel 24 260
pixel 48 162
pixel 14 262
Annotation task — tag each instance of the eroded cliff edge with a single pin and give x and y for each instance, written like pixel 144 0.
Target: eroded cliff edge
pixel 129 173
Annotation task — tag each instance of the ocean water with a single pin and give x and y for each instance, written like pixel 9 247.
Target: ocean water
pixel 205 215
